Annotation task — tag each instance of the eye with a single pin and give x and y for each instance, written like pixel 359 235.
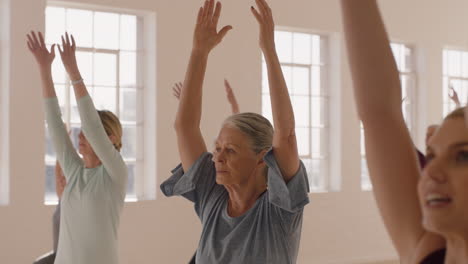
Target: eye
pixel 230 150
pixel 462 156
pixel 217 149
pixel 429 157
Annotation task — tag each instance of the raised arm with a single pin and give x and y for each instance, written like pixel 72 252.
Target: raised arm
pixel 66 153
pixel 91 123
pixel 231 97
pixel 187 124
pixel 454 97
pixel 392 162
pixel 284 139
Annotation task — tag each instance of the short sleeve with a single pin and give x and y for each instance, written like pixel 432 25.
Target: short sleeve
pixel 196 184
pixel 292 196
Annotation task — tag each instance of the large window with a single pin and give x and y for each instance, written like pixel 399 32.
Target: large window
pixel 455 74
pixel 304 67
pixel 108 54
pixel 404 57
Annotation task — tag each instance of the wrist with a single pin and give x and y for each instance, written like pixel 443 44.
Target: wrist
pixel 200 52
pixel 74 76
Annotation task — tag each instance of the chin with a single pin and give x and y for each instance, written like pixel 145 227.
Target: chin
pixel 440 223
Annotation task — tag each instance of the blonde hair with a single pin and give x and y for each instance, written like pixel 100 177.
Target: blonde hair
pixel 112 126
pixel 257 128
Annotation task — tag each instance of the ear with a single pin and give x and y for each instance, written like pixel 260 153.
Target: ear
pixel 113 139
pixel 260 156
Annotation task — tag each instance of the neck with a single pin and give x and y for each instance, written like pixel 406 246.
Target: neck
pixel 457 249
pixel 243 197
pixel 91 161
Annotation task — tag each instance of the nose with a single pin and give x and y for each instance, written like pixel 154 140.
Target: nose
pixel 218 156
pixel 435 171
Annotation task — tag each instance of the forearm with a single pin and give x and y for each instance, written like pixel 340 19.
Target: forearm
pixel 48 90
pixel 283 115
pixel 190 106
pixel 374 71
pixel 80 87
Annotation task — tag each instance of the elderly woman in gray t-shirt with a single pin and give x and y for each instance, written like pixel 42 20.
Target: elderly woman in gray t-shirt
pixel 250 192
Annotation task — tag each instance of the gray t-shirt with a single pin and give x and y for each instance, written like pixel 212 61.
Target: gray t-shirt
pixel 269 232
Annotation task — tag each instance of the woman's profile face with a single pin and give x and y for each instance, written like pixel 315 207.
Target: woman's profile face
pixel 235 161
pixel 443 187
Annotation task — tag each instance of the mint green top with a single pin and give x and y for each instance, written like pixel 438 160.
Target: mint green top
pixel 93 197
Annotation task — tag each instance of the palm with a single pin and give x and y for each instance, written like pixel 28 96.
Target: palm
pixel 206 36
pixel 38 48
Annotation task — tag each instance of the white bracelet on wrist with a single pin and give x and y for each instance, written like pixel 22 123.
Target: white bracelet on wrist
pixel 75 82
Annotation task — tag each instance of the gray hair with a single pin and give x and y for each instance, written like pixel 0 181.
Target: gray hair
pixel 257 128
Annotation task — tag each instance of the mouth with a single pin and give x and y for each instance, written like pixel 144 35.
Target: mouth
pixel 434 200
pixel 221 172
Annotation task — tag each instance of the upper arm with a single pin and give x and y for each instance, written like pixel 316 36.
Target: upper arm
pixel 286 153
pixel 190 144
pixel 394 173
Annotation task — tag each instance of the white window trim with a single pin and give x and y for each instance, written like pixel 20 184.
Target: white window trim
pixel 4 102
pixel 145 182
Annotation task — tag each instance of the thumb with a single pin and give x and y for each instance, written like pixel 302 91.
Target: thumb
pixel 52 50
pixel 223 32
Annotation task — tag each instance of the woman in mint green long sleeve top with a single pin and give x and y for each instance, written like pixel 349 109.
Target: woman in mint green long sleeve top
pixel 94 196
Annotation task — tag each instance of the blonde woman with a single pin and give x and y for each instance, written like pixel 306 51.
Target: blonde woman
pixel 94 194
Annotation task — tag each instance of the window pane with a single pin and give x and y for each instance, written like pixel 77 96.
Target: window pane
pixel 105 99
pixel 283 42
pixel 301 108
pixel 129 142
pixel 300 82
pixel 465 65
pixel 316 54
pixel 49 146
pixel 131 181
pixel 265 87
pixel 50 193
pixel 317 141
pixel 80 24
pixel 106 30
pixel 287 73
pixel 58 72
pixel 363 143
pixel 316 81
pixel 302 48
pixel 128 32
pixel 55 24
pixel 316 170
pixel 105 69
pixel 365 180
pixel 454 63
pixel 74 131
pixel 266 108
pixel 128 105
pixel 85 64
pixel 319 111
pixel 303 141
pixel 128 64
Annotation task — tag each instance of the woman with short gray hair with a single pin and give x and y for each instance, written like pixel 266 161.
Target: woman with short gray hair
pixel 251 191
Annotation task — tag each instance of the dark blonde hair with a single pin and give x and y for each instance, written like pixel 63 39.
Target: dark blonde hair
pixel 457 113
pixel 112 126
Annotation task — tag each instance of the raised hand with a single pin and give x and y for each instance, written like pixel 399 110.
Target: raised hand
pixel 264 17
pixel 67 53
pixel 39 49
pixel 206 36
pixel 176 89
pixel 231 97
pixel 454 96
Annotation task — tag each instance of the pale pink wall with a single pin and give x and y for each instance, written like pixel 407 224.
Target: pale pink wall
pixel 342 227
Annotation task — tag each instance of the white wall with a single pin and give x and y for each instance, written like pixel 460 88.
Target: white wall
pixel 341 227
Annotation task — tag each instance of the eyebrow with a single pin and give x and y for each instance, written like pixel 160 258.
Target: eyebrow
pixel 214 143
pixel 453 146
